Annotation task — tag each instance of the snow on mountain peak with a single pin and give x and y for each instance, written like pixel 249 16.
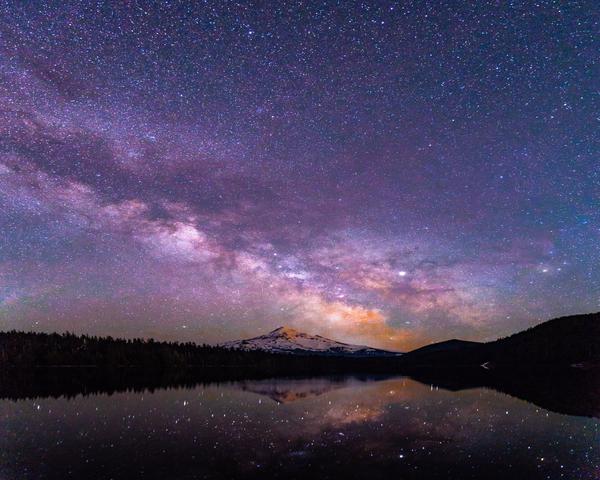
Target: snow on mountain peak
pixel 284 332
pixel 289 340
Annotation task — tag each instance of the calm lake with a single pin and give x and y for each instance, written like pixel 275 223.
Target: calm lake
pixel 327 427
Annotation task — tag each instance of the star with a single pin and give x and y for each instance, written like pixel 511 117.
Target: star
pixel 389 175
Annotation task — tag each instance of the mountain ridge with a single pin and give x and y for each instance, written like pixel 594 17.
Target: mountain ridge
pixel 288 340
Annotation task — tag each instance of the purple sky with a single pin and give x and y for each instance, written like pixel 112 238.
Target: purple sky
pixel 384 173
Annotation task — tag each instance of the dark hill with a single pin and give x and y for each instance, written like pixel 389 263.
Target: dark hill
pixel 445 346
pixel 561 341
pixel 451 352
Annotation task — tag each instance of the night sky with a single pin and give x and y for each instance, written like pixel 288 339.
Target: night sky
pixel 376 172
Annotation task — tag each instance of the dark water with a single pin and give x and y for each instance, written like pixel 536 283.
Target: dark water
pixel 341 427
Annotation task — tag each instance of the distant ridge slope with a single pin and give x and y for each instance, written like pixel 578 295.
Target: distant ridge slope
pixel 290 340
pixel 566 340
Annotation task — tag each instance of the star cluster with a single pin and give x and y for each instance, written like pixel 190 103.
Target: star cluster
pixel 388 173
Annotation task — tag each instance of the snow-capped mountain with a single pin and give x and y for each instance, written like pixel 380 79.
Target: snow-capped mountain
pixel 289 340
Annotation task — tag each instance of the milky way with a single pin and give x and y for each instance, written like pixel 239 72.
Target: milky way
pixel 384 173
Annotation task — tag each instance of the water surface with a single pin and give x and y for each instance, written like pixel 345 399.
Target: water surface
pixel 326 427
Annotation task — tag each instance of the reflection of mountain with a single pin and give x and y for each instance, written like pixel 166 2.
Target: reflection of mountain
pixel 289 390
pixel 393 427
pixel 569 391
pixel 286 390
pixel 289 340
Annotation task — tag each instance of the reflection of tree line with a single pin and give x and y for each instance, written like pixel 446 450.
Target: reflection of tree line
pixel 569 391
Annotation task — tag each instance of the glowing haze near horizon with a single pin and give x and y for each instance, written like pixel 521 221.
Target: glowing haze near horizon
pixel 381 173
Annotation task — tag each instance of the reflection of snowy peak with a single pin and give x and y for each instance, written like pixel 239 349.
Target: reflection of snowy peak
pixel 289 340
pixel 291 390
